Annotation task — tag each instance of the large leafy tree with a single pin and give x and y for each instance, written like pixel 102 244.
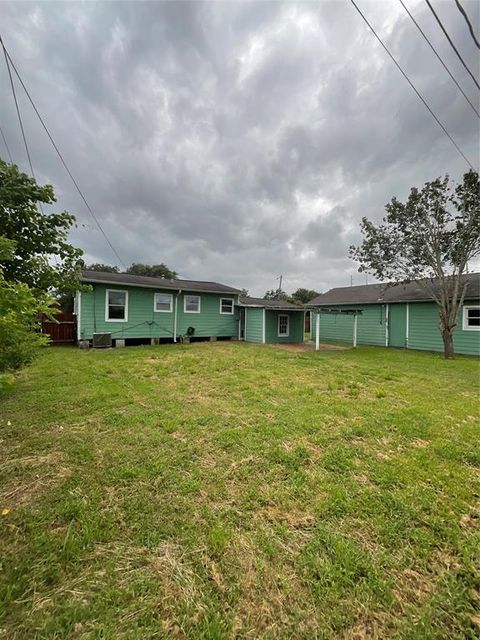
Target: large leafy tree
pixel 302 296
pixel 277 294
pixel 429 239
pixel 99 266
pixel 153 270
pixel 43 258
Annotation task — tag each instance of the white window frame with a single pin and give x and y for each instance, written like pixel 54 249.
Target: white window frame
pixel 159 293
pixel 191 295
pixel 107 319
pixel 465 326
pixel 227 313
pixel 283 335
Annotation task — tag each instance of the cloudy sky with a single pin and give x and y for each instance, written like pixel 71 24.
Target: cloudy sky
pixel 236 141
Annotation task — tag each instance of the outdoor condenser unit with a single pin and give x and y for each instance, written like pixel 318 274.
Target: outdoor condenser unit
pixel 102 340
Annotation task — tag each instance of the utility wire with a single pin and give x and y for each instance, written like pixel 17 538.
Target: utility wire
pixel 413 86
pixel 12 84
pixel 6 145
pixel 467 20
pixel 8 57
pixel 441 60
pixel 14 93
pixel 451 43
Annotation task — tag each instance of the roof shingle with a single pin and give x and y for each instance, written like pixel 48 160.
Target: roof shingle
pixel 387 292
pixel 104 277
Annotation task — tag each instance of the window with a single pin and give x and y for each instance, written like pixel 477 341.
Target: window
pixel 116 306
pixel 471 318
pixel 283 326
pixel 162 302
pixel 226 305
pixel 191 304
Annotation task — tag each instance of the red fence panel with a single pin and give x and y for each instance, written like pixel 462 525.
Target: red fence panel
pixel 64 331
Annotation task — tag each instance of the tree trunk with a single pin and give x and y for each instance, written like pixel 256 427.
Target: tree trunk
pixel 447 335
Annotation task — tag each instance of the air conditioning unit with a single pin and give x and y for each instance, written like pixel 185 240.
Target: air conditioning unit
pixel 102 340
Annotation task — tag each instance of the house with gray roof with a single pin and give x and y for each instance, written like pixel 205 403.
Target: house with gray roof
pixel 122 309
pixel 395 315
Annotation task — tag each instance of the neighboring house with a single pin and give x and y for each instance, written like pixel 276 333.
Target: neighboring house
pixel 141 309
pixel 395 316
pixel 270 321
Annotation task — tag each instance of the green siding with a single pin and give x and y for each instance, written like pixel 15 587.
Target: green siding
pixel 144 322
pixel 397 325
pixel 370 325
pixel 424 333
pixel 254 324
pixel 295 329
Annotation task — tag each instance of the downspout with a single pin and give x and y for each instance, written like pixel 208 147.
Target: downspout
pixel 355 322
pixel 175 317
pixel 79 315
pixel 317 331
pixel 263 327
pixel 407 327
pixel 387 322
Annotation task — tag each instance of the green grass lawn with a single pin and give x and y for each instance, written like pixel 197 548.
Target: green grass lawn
pixel 238 491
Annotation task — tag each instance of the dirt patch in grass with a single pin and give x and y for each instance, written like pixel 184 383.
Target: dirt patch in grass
pixel 33 475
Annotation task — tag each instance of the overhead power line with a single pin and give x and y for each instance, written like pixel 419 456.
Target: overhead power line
pixel 6 145
pixel 467 20
pixel 412 86
pixel 14 93
pixel 452 44
pixel 19 116
pixel 9 59
pixel 441 60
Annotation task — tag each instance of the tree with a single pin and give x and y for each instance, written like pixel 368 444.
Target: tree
pixel 302 296
pixel 38 237
pixel 428 239
pixel 154 271
pixel 20 310
pixel 99 266
pixel 277 294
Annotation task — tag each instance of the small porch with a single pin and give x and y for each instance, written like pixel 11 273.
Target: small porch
pixel 270 321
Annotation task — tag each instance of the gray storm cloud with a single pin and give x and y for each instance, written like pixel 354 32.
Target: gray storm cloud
pixel 236 141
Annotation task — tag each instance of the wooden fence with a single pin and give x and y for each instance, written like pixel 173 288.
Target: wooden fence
pixel 64 330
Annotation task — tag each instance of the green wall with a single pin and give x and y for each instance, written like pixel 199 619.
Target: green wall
pixel 397 325
pixel 370 325
pixel 253 324
pixel 144 322
pixel 296 333
pixel 424 333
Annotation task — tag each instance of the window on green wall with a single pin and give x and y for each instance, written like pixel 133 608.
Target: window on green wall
pixel 226 306
pixel 471 318
pixel 163 302
pixel 191 304
pixel 116 305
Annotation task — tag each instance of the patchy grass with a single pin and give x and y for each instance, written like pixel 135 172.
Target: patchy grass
pixel 238 491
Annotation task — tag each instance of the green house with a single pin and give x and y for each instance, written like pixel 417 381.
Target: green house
pixel 394 316
pixel 123 309
pixel 270 321
pixel 128 309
